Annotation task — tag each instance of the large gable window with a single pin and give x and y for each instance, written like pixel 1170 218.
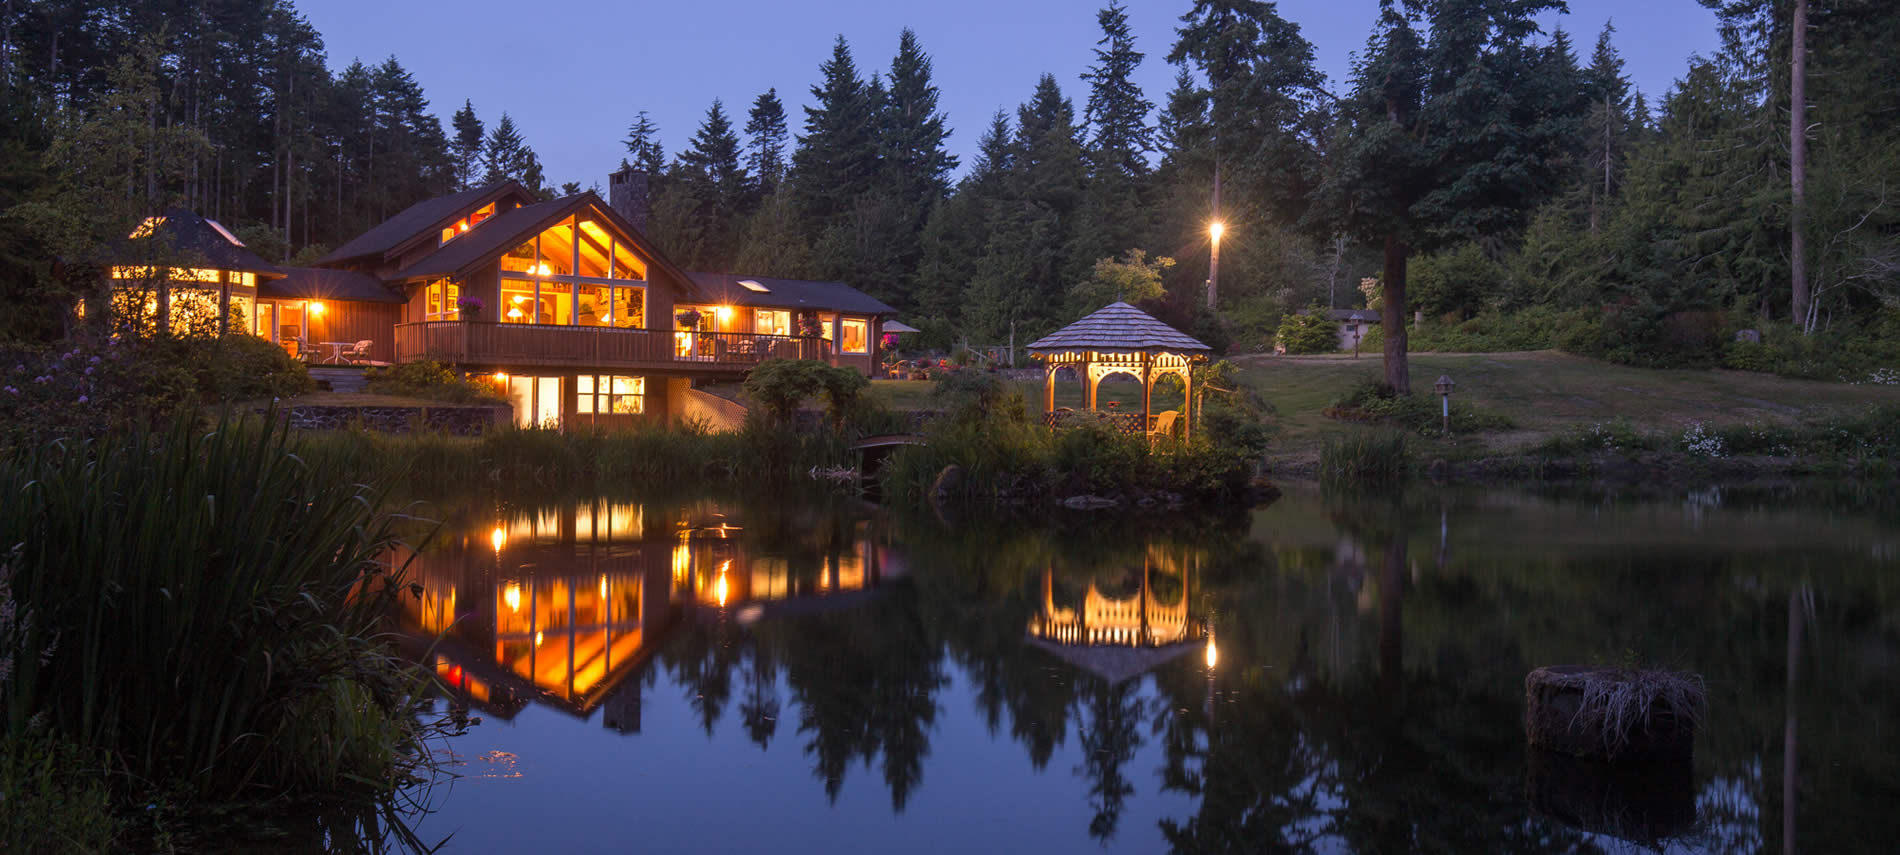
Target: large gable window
pixel 576 272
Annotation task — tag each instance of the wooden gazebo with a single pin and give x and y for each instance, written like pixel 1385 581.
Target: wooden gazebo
pixel 1120 339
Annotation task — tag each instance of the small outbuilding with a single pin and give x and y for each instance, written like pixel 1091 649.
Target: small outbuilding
pixel 1121 339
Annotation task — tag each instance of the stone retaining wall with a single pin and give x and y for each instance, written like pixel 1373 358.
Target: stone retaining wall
pixel 453 420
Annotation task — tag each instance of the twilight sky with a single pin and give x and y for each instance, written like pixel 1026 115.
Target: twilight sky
pixel 574 72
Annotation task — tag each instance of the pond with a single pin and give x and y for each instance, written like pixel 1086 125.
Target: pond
pixel 1319 674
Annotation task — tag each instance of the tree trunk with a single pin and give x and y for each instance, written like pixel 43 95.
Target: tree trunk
pixel 1798 166
pixel 1396 371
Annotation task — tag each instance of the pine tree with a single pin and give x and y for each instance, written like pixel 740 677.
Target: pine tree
pixel 1112 217
pixel 467 143
pixel 913 131
pixel 709 173
pixel 1608 124
pixel 1117 113
pixel 505 155
pixel 836 158
pixel 765 152
pixel 643 142
pixel 1433 149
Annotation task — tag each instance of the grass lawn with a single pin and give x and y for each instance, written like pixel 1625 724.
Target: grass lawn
pixel 1543 392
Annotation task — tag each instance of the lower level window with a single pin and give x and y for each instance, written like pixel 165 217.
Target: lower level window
pixel 856 337
pixel 609 394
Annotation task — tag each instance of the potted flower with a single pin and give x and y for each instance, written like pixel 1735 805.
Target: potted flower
pixel 470 308
pixel 688 319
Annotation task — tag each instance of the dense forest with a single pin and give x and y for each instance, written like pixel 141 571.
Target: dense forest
pixel 1502 180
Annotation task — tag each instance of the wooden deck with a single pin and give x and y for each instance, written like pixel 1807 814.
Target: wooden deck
pixel 518 346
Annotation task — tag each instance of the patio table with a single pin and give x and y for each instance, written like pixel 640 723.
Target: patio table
pixel 336 350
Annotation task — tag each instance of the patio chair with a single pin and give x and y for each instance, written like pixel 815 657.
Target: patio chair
pixel 358 352
pixel 1166 425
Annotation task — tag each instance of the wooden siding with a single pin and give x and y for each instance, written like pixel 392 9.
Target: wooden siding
pixel 510 346
pixel 342 320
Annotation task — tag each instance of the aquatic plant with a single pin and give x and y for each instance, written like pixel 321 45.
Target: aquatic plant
pixel 1365 457
pixel 212 601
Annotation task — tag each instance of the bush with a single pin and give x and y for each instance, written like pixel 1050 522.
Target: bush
pixel 238 368
pixel 1308 332
pixel 780 386
pixel 431 380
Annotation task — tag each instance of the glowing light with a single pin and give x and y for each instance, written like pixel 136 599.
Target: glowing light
pixel 498 538
pixel 316 308
pixel 603 587
pixel 724 313
pixel 501 377
pixel 514 312
pixel 1213 653
pixel 537 638
pixel 1216 229
pixel 146 228
pixel 543 270
pixel 512 596
pixel 721 589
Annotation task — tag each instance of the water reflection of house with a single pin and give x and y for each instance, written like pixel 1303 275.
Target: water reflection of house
pixel 1120 637
pixel 562 604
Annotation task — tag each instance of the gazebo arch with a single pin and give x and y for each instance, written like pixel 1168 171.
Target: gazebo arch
pixel 1120 339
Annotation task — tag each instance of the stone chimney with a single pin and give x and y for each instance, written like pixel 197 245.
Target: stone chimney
pixel 627 195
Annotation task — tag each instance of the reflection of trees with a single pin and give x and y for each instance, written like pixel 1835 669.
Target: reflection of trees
pixel 1108 726
pixel 865 683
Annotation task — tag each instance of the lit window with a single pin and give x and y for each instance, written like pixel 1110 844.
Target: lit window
pixel 772 322
pixel 856 337
pixel 607 394
pixel 441 298
pixel 460 227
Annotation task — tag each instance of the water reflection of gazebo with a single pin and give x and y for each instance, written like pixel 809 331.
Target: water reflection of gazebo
pixel 1118 638
pixel 1121 339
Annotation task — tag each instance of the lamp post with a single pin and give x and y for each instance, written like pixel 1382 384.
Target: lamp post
pixel 1443 387
pixel 1355 341
pixel 1214 231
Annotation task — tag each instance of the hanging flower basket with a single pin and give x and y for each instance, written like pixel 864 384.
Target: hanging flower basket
pixel 688 319
pixel 470 307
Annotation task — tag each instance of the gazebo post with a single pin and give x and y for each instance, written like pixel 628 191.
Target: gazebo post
pixel 1188 414
pixel 1049 388
pixel 1088 382
pixel 1147 388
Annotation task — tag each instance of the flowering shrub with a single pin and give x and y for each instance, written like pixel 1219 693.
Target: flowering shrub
pixel 1702 442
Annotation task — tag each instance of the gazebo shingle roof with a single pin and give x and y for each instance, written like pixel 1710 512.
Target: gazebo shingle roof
pixel 1119 326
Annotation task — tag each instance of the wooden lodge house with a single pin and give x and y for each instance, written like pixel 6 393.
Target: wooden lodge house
pixel 564 302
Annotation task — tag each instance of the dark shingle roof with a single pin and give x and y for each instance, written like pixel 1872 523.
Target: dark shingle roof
pixel 789 294
pixel 196 240
pixel 321 283
pixel 500 233
pixel 421 217
pixel 1119 326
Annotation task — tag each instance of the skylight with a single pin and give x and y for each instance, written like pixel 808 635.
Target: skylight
pixel 224 231
pixel 753 285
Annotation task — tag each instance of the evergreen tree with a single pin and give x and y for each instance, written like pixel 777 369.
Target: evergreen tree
pixel 765 152
pixel 710 175
pixel 836 159
pixel 467 144
pixel 643 143
pixel 913 131
pixel 1434 148
pixel 1609 124
pixel 1111 219
pixel 506 155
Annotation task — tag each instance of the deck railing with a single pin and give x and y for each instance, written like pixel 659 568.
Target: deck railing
pixel 544 345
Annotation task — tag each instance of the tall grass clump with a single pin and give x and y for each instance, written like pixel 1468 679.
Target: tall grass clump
pixel 205 609
pixel 1364 457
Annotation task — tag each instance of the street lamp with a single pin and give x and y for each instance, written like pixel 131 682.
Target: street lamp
pixel 1214 230
pixel 1443 388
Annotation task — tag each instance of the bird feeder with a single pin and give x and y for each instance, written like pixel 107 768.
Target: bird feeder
pixel 1444 387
